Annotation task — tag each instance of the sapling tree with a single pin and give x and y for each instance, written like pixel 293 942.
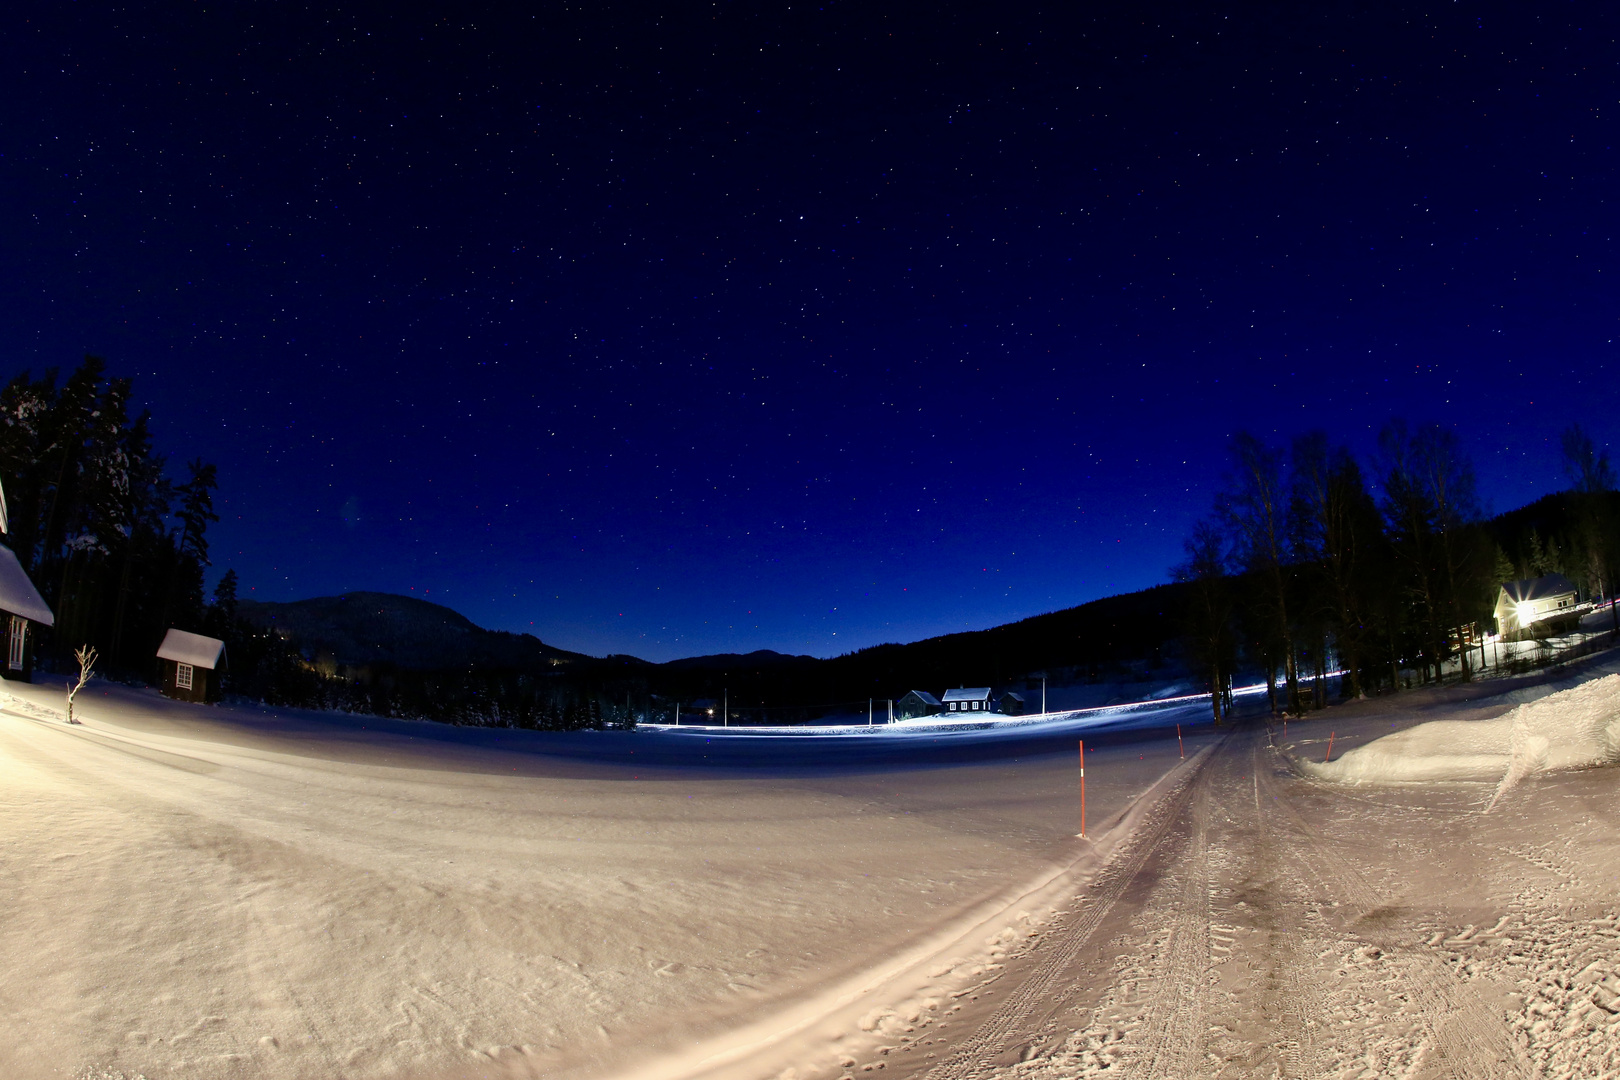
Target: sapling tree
pixel 86 656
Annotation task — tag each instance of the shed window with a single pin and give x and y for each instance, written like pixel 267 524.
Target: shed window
pixel 182 676
pixel 19 635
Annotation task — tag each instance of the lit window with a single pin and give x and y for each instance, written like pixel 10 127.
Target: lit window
pixel 953 706
pixel 182 676
pixel 19 635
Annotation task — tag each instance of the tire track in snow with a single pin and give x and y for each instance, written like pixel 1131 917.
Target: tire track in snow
pixel 1169 1047
pixel 1473 1043
pixel 1011 1021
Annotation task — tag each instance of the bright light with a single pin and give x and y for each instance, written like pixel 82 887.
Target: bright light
pixel 1525 612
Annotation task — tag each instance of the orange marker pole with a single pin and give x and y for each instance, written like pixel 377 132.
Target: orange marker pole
pixel 1180 743
pixel 1082 787
pixel 1330 748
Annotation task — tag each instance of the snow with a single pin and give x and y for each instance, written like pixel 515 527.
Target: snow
pixel 17 593
pixel 1569 729
pixel 193 649
pixel 234 891
pixel 244 892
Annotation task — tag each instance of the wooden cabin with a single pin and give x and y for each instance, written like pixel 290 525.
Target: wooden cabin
pixel 967 699
pixel 1536 606
pixel 22 607
pixel 916 703
pixel 1012 703
pixel 191 666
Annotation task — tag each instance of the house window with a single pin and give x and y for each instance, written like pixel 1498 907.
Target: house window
pixel 182 676
pixel 975 706
pixel 19 635
pixel 953 706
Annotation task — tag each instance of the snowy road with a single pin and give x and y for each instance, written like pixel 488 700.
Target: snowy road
pixel 1261 924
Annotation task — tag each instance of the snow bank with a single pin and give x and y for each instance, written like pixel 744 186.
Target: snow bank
pixel 1570 729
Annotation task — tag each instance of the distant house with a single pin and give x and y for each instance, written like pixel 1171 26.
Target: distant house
pixel 916 703
pixel 22 606
pixel 1012 704
pixel 967 699
pixel 1541 605
pixel 191 666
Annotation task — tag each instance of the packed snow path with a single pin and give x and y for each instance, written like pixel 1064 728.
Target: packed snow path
pixel 1260 924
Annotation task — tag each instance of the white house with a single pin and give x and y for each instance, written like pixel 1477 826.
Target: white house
pixel 1535 604
pixel 21 605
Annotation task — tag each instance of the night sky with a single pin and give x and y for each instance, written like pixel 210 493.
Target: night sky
pixel 712 327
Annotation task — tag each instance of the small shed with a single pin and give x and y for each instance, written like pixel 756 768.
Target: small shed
pixel 967 699
pixel 22 606
pixel 916 703
pixel 1535 605
pixel 191 666
pixel 1012 703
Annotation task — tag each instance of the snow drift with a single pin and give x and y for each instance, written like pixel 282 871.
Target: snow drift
pixel 1571 729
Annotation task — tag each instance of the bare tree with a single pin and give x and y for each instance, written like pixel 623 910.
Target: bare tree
pixel 1209 610
pixel 1254 511
pixel 1592 478
pixel 86 656
pixel 1336 531
pixel 1430 504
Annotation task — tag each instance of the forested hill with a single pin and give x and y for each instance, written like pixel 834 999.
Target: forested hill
pixel 369 628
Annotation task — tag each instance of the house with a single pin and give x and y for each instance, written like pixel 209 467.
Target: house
pixel 1012 704
pixel 22 606
pixel 967 699
pixel 1533 606
pixel 916 703
pixel 191 666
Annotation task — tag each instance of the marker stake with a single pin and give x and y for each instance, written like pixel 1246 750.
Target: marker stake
pixel 1082 787
pixel 1181 744
pixel 1330 748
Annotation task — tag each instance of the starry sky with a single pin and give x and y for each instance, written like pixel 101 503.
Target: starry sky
pixel 693 328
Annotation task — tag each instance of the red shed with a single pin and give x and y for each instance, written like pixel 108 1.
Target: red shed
pixel 191 665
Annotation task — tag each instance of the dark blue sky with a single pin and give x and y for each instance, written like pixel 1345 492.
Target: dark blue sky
pixel 719 327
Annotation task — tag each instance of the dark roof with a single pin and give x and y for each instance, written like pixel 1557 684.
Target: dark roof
pixel 1538 588
pixel 1012 694
pixel 921 695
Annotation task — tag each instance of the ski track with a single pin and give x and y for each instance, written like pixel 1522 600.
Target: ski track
pixel 1262 944
pixel 1010 1023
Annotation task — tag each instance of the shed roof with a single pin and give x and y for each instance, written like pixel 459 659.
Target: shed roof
pixel 193 649
pixel 1012 694
pixel 968 693
pixel 17 593
pixel 923 696
pixel 1539 588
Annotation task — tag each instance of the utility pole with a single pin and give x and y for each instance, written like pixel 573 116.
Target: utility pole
pixel 891 710
pixel 1043 695
pixel 868 712
pixel 725 707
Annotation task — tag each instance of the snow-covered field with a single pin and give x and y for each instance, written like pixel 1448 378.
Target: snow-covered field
pixel 195 892
pixel 221 892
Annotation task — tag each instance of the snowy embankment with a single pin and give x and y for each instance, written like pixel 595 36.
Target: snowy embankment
pixel 1574 728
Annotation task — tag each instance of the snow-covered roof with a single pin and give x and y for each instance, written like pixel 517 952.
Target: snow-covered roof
pixel 193 649
pixel 923 696
pixel 17 593
pixel 970 693
pixel 1540 588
